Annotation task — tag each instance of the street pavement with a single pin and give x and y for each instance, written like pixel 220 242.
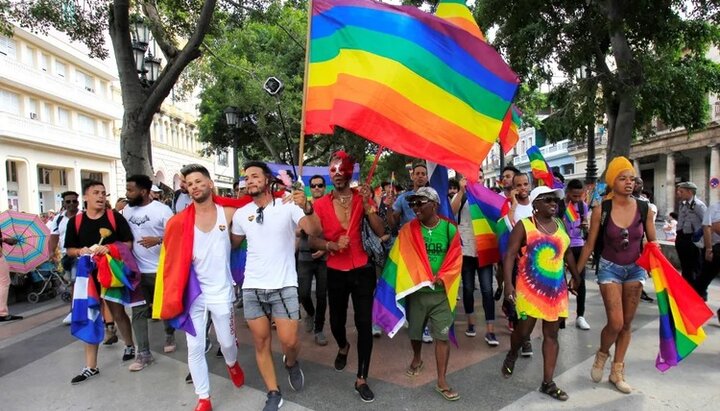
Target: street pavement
pixel 38 357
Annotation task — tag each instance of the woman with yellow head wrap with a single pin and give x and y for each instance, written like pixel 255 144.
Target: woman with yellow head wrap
pixel 619 233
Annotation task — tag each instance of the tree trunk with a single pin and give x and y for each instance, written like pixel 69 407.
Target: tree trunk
pixel 135 147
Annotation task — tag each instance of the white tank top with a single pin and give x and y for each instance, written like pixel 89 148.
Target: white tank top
pixel 211 260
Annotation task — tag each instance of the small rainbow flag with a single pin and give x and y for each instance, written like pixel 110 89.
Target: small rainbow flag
pixel 486 208
pixel 408 270
pixel 682 311
pixel 406 80
pixel 510 134
pixel 541 170
pixel 571 213
pixel 119 275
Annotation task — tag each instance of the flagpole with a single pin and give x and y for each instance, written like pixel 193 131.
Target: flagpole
pixel 301 155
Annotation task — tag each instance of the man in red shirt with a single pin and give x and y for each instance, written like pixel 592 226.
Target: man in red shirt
pixel 349 270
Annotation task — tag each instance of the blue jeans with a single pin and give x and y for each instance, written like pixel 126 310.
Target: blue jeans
pixel 485 274
pixel 611 273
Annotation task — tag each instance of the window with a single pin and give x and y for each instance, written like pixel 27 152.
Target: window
pixel 7 47
pixel 102 88
pixel 11 170
pixel 223 158
pixel 33 108
pixel 86 124
pixel 9 102
pixel 63 178
pixel 85 81
pixel 63 118
pixel 95 176
pixel 44 62
pixel 44 175
pixel 29 56
pixel 568 169
pixel 60 69
pixel 46 115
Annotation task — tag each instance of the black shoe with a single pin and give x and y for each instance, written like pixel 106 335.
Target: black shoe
pixel 499 293
pixel 129 353
pixel 188 379
pixel 646 297
pixel 341 359
pixel 526 350
pixel 10 317
pixel 366 395
pixel 85 375
pixel 219 353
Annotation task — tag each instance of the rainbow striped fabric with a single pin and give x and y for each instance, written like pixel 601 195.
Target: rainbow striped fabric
pixel 510 134
pixel 486 208
pixel 682 311
pixel 571 212
pixel 309 171
pixel 457 13
pixel 119 275
pixel 541 170
pixel 408 270
pixel 406 80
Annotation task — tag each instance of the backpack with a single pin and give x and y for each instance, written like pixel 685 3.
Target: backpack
pixel 606 208
pixel 372 244
pixel 111 218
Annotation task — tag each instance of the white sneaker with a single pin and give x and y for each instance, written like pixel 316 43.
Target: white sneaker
pixel 426 337
pixel 68 319
pixel 582 324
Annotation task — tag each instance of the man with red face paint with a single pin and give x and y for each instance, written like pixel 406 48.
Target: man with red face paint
pixel 349 270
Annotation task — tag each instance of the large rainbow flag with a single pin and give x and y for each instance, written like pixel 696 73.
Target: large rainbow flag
pixel 541 169
pixel 682 311
pixel 486 208
pixel 408 270
pixel 406 80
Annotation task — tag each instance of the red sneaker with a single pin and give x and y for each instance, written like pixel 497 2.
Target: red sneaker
pixel 204 405
pixel 236 374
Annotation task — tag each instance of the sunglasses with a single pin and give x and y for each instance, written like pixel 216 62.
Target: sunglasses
pixel 72 202
pixel 418 203
pixel 317 185
pixel 625 241
pixel 259 218
pixel 548 200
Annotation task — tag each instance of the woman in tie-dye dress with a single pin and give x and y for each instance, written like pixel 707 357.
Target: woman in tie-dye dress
pixel 541 291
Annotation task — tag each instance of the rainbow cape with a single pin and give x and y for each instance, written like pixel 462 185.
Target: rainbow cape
pixel 486 208
pixel 119 275
pixel 541 169
pixel 406 80
pixel 86 320
pixel 176 285
pixel 408 270
pixel 682 311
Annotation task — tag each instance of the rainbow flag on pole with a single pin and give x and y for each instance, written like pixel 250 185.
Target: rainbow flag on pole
pixel 408 270
pixel 406 80
pixel 486 208
pixel 682 311
pixel 571 212
pixel 541 169
pixel 510 134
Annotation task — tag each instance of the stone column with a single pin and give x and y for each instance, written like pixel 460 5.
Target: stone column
pixel 670 183
pixel 714 196
pixel 636 165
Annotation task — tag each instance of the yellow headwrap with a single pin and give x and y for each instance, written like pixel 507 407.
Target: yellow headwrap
pixel 613 170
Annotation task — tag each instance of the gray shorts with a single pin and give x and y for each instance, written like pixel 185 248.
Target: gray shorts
pixel 282 303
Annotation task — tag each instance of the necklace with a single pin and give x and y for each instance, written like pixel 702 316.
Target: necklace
pixel 542 226
pixel 430 229
pixel 343 199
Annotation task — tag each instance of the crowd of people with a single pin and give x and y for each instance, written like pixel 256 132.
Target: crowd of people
pixel 291 240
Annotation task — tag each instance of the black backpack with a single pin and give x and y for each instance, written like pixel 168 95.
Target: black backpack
pixel 606 208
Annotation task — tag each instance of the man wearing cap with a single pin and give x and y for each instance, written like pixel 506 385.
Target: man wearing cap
pixel 690 218
pixel 436 241
pixel 156 193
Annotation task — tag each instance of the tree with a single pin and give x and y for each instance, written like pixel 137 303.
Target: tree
pixel 646 59
pixel 259 43
pixel 87 21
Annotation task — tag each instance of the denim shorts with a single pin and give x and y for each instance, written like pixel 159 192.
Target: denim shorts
pixel 281 303
pixel 611 273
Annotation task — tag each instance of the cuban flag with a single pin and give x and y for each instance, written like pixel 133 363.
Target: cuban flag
pixel 438 178
pixel 87 321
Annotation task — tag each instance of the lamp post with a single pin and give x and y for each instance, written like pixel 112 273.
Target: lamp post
pixel 147 66
pixel 274 87
pixel 591 168
pixel 232 117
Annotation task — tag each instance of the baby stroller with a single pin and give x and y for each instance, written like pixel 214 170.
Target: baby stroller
pixel 48 282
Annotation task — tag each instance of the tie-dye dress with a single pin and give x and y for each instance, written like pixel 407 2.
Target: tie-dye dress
pixel 541 290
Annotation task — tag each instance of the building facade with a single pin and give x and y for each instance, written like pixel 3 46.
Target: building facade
pixel 60 118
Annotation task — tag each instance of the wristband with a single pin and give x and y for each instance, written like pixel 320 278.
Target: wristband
pixel 327 246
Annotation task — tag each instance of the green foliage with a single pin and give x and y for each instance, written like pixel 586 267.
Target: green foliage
pixel 667 72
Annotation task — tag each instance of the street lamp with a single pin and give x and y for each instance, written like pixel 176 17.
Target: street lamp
pixel 232 117
pixel 147 67
pixel 584 73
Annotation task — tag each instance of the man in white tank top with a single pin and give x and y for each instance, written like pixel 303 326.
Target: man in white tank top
pixel 211 265
pixel 270 285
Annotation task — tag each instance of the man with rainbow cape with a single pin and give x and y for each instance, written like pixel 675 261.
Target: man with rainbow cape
pixel 420 281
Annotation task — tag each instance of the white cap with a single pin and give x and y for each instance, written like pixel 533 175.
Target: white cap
pixel 242 184
pixel 155 189
pixel 538 191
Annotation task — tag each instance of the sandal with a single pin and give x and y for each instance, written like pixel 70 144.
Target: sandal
pixel 414 371
pixel 551 389
pixel 448 393
pixel 508 366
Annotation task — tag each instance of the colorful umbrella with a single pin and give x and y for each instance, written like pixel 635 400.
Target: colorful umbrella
pixel 32 237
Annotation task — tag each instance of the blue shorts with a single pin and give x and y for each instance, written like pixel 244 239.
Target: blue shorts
pixel 282 303
pixel 611 273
